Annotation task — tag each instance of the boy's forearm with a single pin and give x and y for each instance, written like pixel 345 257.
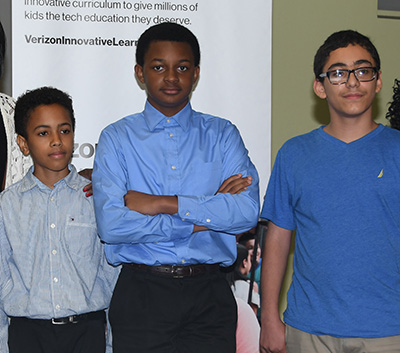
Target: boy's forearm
pixel 275 256
pixel 276 251
pixel 151 204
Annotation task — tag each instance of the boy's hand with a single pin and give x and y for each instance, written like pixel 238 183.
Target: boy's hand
pixel 88 189
pixel 150 204
pixel 235 184
pixel 272 338
pixel 87 173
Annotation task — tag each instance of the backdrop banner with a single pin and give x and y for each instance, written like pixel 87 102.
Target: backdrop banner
pixel 87 49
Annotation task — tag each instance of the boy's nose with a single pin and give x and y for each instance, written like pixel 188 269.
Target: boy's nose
pixel 171 76
pixel 352 80
pixel 56 141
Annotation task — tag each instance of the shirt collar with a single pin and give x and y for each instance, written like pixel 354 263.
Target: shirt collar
pixel 30 181
pixel 154 117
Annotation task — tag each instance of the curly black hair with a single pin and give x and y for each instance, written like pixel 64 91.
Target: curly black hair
pixel 393 114
pixel 30 100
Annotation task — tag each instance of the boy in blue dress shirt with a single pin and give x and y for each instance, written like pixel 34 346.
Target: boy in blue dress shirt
pixel 55 281
pixel 172 187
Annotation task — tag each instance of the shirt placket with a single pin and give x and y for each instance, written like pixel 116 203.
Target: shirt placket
pixel 54 228
pixel 174 171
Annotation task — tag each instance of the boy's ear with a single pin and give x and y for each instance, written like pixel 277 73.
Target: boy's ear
pixel 378 82
pixel 319 89
pixel 139 73
pixel 23 145
pixel 196 73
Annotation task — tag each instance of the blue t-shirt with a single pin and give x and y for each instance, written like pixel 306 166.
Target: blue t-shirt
pixel 343 199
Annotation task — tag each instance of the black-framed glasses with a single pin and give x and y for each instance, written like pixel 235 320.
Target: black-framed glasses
pixel 340 76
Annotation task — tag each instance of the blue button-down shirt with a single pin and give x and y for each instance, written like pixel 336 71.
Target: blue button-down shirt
pixel 188 155
pixel 52 260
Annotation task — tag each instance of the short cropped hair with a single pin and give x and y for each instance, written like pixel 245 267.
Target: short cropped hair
pixel 2 48
pixel 393 114
pixel 342 39
pixel 167 31
pixel 30 100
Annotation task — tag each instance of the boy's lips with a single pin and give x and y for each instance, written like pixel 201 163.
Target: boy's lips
pixel 57 154
pixel 171 90
pixel 354 95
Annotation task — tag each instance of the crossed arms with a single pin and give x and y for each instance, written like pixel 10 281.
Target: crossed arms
pixel 152 205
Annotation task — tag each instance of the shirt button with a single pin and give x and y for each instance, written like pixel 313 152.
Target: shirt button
pixel 58 307
pixel 52 199
pixel 187 214
pixel 54 252
pixel 168 120
pixel 171 135
pixel 53 225
pixel 208 220
pixel 183 219
pixel 173 167
pixel 183 261
pixel 55 279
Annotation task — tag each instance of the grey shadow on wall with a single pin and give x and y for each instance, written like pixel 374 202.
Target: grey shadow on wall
pixel 320 111
pixel 378 108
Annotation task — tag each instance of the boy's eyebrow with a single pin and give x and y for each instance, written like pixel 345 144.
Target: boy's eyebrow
pixel 358 62
pixel 48 126
pixel 180 61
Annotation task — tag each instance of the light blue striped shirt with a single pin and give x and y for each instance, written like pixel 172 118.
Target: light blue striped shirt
pixel 52 260
pixel 189 155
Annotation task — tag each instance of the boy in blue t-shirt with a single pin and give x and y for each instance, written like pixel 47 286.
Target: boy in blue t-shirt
pixel 55 282
pixel 338 187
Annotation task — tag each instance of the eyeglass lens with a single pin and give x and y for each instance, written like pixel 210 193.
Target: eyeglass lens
pixel 362 74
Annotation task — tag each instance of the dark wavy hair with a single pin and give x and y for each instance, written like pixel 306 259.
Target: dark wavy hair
pixel 30 100
pixel 167 31
pixel 342 39
pixel 393 114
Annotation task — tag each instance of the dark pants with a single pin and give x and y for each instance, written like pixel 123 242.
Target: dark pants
pixel 151 313
pixel 40 336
